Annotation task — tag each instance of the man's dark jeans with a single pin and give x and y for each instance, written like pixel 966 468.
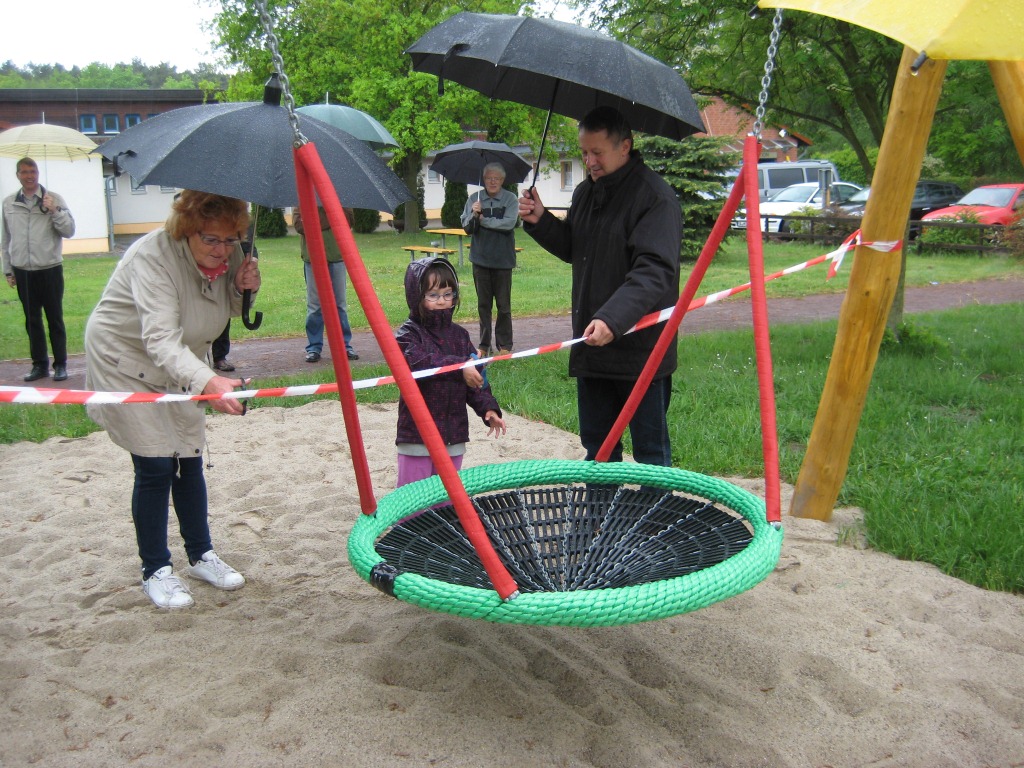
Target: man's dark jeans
pixel 600 402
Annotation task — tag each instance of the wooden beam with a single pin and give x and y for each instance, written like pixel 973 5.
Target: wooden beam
pixel 873 280
pixel 1008 77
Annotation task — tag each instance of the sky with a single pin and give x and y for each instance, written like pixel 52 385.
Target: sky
pixel 76 33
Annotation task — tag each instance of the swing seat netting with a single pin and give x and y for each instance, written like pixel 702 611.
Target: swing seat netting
pixel 588 543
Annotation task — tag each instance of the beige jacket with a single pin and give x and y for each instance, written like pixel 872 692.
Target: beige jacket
pixel 151 332
pixel 34 240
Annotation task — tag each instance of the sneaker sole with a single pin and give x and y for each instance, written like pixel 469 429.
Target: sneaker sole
pixel 226 588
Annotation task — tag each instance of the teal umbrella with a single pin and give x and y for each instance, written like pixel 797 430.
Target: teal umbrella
pixel 353 121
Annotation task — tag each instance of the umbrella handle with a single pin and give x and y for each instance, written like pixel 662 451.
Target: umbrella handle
pixel 252 325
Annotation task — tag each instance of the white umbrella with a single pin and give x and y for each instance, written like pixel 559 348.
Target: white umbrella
pixel 42 141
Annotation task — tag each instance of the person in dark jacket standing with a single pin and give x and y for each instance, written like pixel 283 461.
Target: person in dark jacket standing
pixel 430 339
pixel 490 217
pixel 622 237
pixel 35 223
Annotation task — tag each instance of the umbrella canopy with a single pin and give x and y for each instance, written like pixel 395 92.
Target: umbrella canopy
pixel 42 141
pixel 351 120
pixel 560 67
pixel 244 150
pixel 465 162
pixel 948 29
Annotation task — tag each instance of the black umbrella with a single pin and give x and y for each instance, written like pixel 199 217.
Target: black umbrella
pixel 244 150
pixel 465 162
pixel 559 67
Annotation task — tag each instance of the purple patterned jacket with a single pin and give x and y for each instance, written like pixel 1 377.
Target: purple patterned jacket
pixel 431 343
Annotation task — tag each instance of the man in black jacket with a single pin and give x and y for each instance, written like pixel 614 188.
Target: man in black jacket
pixel 621 236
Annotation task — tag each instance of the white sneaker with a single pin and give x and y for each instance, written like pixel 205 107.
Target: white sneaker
pixel 166 590
pixel 213 570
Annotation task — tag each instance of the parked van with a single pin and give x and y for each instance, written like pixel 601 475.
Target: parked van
pixel 771 177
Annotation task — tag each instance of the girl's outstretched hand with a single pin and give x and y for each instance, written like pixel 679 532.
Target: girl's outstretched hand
pixel 496 424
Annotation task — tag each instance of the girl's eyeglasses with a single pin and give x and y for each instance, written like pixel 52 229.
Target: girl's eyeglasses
pixel 433 297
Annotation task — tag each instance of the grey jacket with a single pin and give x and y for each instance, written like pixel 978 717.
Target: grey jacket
pixel 151 332
pixel 494 242
pixel 33 240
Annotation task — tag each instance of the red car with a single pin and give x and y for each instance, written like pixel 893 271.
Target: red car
pixel 992 204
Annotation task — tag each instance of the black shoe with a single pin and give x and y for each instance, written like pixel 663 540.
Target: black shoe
pixel 352 354
pixel 223 365
pixel 37 372
pixel 312 357
pixel 60 372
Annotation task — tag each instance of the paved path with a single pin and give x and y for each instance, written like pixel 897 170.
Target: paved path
pixel 264 358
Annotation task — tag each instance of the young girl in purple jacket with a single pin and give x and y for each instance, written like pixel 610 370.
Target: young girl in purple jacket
pixel 430 339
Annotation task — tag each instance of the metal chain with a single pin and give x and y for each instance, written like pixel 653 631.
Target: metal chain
pixel 769 67
pixel 289 101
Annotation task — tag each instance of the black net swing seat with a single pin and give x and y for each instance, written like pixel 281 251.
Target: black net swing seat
pixel 588 544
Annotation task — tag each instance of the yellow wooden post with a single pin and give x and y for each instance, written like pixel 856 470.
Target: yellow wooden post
pixel 873 280
pixel 1008 77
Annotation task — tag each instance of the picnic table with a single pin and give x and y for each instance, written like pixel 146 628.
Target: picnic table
pixel 420 249
pixel 454 232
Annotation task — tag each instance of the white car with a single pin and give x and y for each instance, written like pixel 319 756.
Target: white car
pixel 792 199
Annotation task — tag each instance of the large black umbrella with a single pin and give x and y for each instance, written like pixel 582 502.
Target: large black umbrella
pixel 465 162
pixel 559 67
pixel 244 150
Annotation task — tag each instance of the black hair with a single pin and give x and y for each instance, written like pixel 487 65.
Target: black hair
pixel 608 119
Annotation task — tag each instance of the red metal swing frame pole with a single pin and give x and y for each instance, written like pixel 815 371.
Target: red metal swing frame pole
pixel 312 180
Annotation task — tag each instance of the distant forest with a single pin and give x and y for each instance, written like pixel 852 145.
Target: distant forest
pixel 96 75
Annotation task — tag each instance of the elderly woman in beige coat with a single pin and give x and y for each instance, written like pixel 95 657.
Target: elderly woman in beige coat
pixel 169 297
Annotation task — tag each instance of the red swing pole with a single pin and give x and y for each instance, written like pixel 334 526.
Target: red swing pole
pixel 762 340
pixel 308 166
pixel 332 320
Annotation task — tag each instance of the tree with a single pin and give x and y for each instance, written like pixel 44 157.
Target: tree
pixel 695 168
pixel 828 73
pixel 354 50
pixel 455 197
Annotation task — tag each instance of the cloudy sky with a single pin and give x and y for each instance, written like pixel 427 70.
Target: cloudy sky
pixel 78 33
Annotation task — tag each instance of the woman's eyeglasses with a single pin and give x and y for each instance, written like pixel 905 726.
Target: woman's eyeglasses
pixel 433 297
pixel 213 242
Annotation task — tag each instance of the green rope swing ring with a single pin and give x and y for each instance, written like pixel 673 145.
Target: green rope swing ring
pixel 588 544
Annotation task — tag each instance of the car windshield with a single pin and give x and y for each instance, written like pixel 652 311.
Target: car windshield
pixel 860 196
pixel 997 197
pixel 798 193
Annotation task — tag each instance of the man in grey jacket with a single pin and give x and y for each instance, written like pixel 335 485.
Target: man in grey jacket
pixel 490 216
pixel 35 222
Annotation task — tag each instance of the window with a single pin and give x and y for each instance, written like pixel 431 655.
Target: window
pixel 130 120
pixel 87 123
pixel 111 124
pixel 432 177
pixel 137 189
pixel 566 171
pixel 784 177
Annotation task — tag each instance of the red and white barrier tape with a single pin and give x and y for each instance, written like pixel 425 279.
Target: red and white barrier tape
pixel 39 395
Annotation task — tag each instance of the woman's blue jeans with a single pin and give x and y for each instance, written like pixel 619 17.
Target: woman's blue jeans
pixel 157 480
pixel 600 402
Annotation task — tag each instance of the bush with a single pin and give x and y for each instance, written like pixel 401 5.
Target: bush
pixel 1012 238
pixel 366 221
pixel 910 339
pixel 269 222
pixel 455 197
pixel 952 235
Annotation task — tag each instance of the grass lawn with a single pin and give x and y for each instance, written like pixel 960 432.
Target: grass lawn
pixel 938 464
